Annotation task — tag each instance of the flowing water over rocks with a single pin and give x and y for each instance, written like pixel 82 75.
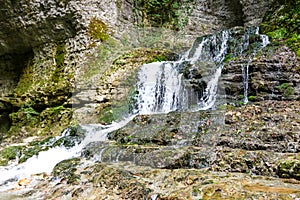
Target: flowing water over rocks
pixel 173 147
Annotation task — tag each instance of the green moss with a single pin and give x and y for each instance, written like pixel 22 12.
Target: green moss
pixel 26 80
pixel 227 58
pixel 56 110
pixel 283 86
pixel 286 89
pixel 158 58
pixel 66 170
pixel 278 33
pixel 30 113
pixel 114 112
pixel 60 54
pixel 251 98
pixel 71 136
pixel 9 153
pixel 281 24
pixel 289 169
pixel 98 29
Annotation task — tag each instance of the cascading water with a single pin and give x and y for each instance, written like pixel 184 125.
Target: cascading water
pixel 162 88
pixel 158 87
pixel 245 69
pixel 189 84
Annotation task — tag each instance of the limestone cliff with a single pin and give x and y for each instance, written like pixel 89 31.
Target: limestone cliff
pixel 45 44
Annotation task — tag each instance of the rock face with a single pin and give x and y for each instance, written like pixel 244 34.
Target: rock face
pixel 43 45
pixel 27 27
pixel 209 16
pixel 273 75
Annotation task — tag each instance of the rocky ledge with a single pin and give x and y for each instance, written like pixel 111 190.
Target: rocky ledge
pixel 243 152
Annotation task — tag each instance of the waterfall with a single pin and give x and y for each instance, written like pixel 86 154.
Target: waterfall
pixel 191 83
pixel 158 88
pixel 245 69
pixel 188 84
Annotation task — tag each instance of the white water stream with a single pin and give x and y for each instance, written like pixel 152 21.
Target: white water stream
pixel 161 89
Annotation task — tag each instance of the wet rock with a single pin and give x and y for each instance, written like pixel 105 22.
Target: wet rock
pixel 8 154
pixel 269 125
pixel 122 182
pixel 71 137
pixel 272 75
pixel 66 171
pixel 176 128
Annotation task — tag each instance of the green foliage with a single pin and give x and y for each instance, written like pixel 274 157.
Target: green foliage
pixel 30 113
pixel 278 33
pixel 26 79
pixel 98 29
pixel 172 13
pixel 227 58
pixel 251 98
pixel 60 54
pixel 283 86
pixel 286 89
pixel 56 110
pixel 282 24
pixel 9 153
pixel 158 58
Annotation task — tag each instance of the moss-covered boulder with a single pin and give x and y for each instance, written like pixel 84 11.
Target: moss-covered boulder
pixel 66 170
pixel 289 168
pixel 9 153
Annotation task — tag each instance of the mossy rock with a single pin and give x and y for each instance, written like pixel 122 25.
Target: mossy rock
pixel 71 136
pixel 66 170
pixel 9 153
pixel 98 29
pixel 289 169
pixel 281 24
pixel 173 14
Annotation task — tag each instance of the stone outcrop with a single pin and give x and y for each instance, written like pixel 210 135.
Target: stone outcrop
pixel 27 27
pixel 45 44
pixel 209 16
pixel 273 75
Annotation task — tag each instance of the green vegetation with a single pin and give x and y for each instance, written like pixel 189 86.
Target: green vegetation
pixel 114 112
pixel 169 13
pixel 30 113
pixel 251 98
pixel 56 109
pixel 289 168
pixel 8 154
pixel 60 54
pixel 227 58
pixel 66 170
pixel 286 89
pixel 98 29
pixel 282 24
pixel 26 79
pixel 72 136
